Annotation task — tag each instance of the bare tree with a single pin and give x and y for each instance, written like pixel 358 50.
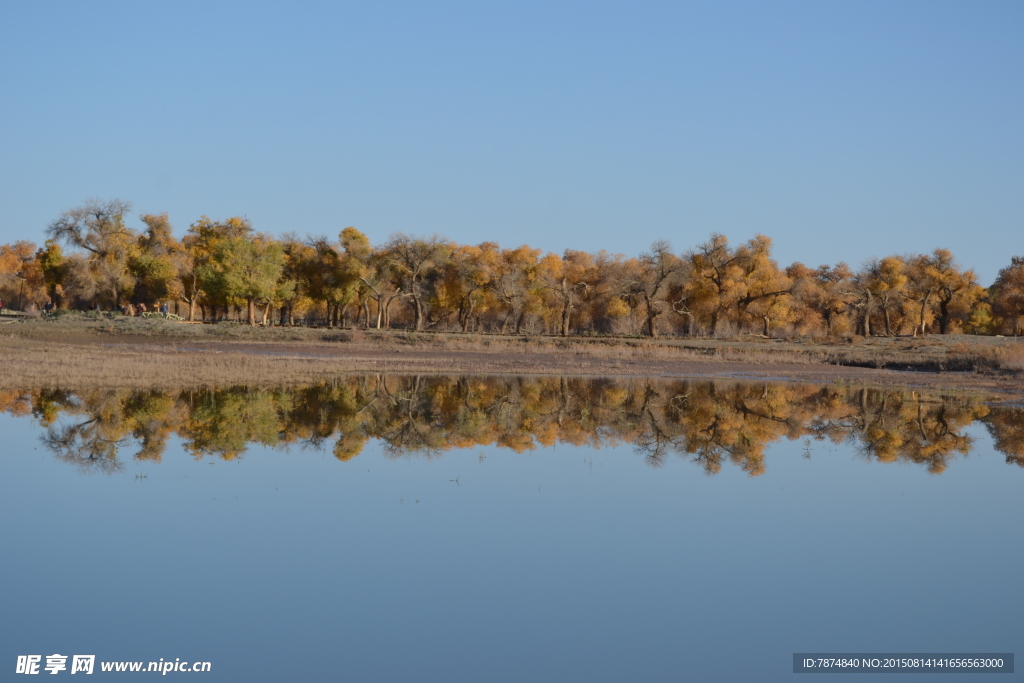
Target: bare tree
pixel 412 257
pixel 97 227
pixel 649 278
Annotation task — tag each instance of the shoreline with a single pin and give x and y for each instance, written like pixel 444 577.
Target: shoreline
pixel 51 354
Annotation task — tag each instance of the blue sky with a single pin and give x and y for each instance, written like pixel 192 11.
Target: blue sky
pixel 841 130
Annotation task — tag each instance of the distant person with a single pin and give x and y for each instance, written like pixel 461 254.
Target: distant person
pixel 142 308
pixel 163 309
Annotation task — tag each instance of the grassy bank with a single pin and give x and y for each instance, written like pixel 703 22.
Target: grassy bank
pixel 88 349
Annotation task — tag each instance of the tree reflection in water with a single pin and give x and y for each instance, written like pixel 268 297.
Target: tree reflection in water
pixel 709 423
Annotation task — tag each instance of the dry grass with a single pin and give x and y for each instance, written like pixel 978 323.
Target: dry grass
pixel 79 350
pixel 52 364
pixel 1010 357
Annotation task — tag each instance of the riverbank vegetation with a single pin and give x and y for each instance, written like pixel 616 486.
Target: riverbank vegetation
pixel 226 270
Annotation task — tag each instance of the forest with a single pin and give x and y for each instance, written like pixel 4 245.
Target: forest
pixel 226 270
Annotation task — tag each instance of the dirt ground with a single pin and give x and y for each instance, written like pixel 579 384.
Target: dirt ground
pixel 78 352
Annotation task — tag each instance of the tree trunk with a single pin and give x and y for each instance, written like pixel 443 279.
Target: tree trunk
pixel 251 305
pixel 266 314
pixel 688 325
pixel 467 319
pixel 867 315
pixel 418 310
pixel 192 310
pixel 387 313
pixel 924 310
pixel 944 316
pixel 767 324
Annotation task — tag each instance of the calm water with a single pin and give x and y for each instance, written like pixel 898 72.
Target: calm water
pixel 467 529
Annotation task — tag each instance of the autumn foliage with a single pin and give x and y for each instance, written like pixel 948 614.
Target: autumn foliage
pixel 225 270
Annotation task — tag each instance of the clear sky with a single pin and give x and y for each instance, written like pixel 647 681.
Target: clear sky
pixel 842 130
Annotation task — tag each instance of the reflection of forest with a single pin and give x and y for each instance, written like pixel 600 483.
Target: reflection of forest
pixel 706 422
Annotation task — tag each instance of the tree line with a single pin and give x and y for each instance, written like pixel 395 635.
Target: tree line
pixel 222 270
pixel 711 424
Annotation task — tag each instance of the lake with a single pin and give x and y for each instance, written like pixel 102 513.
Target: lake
pixel 432 528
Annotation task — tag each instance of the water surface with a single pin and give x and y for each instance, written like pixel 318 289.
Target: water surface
pixel 508 529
